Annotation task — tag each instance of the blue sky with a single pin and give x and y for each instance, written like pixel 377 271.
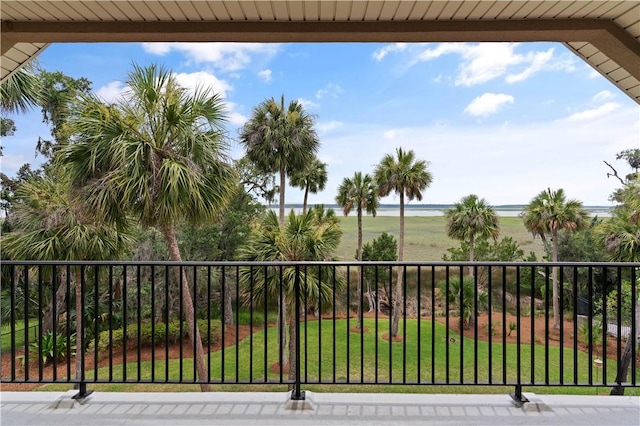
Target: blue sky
pixel 501 120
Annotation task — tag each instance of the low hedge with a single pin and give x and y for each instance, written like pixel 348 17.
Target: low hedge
pixel 161 333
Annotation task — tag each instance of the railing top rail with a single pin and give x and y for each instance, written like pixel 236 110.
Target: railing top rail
pixel 314 263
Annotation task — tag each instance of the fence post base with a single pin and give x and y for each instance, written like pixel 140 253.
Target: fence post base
pixel 82 392
pixel 518 398
pixel 297 395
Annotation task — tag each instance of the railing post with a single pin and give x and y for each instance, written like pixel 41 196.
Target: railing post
pixel 517 397
pixel 297 394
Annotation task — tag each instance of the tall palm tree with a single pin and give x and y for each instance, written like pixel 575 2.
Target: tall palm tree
pixel 361 193
pixel 50 223
pixel 311 236
pixel 550 213
pixel 470 218
pixel 311 178
pixel 280 140
pixel 407 177
pixel 159 156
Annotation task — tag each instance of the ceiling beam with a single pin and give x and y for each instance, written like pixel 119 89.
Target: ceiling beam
pixel 603 34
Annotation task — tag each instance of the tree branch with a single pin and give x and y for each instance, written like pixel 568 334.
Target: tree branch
pixel 614 174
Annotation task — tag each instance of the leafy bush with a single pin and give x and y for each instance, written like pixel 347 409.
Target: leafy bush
pixel 52 349
pixel 464 293
pixel 243 317
pixel 158 334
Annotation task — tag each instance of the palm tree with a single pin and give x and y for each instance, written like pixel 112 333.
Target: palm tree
pixel 311 178
pixel 621 237
pixel 470 218
pixel 280 140
pixel 159 156
pixel 361 193
pixel 311 236
pixel 407 177
pixel 51 224
pixel 21 91
pixel 549 213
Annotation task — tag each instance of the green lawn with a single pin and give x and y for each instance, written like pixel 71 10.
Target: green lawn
pixel 384 363
pixel 5 335
pixel 425 236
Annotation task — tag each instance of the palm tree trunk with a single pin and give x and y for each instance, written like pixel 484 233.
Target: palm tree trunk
pixel 306 196
pixel 471 241
pixel 625 362
pixel 79 325
pixel 554 280
pixel 293 325
pixel 398 302
pixel 359 301
pixel 283 182
pixel 51 322
pixel 189 311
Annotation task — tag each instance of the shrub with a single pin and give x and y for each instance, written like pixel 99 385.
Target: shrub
pixel 52 348
pixel 157 334
pixel 464 293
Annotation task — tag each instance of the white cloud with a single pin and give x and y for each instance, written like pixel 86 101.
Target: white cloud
pixel 331 90
pixel 594 113
pixel 537 60
pixel 390 134
pixel 482 62
pixel 307 103
pixel 487 104
pixel 603 95
pixel 265 75
pixel 224 56
pixel 384 51
pixel 327 126
pixel 204 79
pixel 112 91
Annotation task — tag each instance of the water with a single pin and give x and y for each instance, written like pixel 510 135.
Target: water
pixel 440 210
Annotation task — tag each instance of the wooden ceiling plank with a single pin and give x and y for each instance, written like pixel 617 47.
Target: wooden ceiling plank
pixel 389 10
pixel 543 9
pixel 527 9
pixel 620 8
pixel 468 8
pixel 264 10
pixel 418 10
pixel 627 82
pixel 203 9
pixel 598 58
pixel 634 92
pixel 609 67
pixel 296 10
pixel 110 9
pixel 434 11
pixel 507 11
pixel 235 11
pixel 143 10
pixel 189 11
pixel 343 10
pixel 358 9
pixel 588 50
pixel 63 11
pixel 326 10
pixel 404 9
pixel 10 63
pixel 281 10
pixel 372 13
pixel 628 18
pixel 9 13
pixel 618 74
pixel 168 11
pixel 128 10
pixel 42 11
pixel 450 10
pixel 585 10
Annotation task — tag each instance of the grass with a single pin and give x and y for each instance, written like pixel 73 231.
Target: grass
pixel 5 334
pixel 425 236
pixel 358 360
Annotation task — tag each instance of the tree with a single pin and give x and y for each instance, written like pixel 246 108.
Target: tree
pixel 407 177
pixel 280 140
pixel 20 92
pixel 311 236
pixel 50 223
pixel 158 155
pixel 255 182
pixel 359 192
pixel 470 218
pixel 550 213
pixel 385 247
pixel 621 237
pixel 311 178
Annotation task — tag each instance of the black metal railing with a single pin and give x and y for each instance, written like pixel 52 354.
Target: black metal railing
pixel 457 323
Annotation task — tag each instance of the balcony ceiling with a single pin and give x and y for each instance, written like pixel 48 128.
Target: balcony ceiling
pixel 605 33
